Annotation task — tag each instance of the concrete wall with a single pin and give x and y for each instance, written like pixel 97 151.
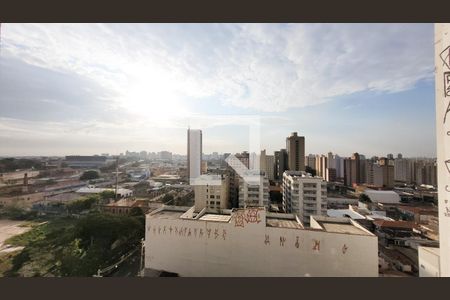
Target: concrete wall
pixel 252 249
pixel 428 262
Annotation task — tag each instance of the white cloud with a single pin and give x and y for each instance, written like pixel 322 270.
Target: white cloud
pixel 266 67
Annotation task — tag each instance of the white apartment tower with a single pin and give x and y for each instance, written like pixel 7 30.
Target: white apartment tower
pixel 254 190
pixel 304 195
pixel 194 154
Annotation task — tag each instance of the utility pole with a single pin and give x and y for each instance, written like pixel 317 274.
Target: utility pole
pixel 117 177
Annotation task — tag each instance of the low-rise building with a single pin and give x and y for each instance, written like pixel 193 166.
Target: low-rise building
pixel 253 190
pixel 91 161
pixel 122 193
pixel 253 242
pixel 211 191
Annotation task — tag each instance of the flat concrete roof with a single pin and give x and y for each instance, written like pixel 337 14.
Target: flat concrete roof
pixel 272 222
pixel 215 218
pixel 341 228
pixel 167 214
pixel 327 224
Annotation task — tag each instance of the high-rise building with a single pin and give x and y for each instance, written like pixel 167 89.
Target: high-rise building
pixel 321 165
pixel 339 163
pixel 295 146
pixel 267 165
pixel 204 167
pixel 402 170
pixel 270 167
pixel 254 193
pixel 362 168
pixel 194 154
pixel 242 162
pixel 352 170
pixel 330 175
pixel 262 161
pixel 165 155
pixel 310 161
pixel 304 195
pixel 281 160
pixel 381 172
pixel 211 191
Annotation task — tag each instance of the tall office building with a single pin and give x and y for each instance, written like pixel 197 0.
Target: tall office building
pixel 295 146
pixel 304 195
pixel 281 160
pixel 194 154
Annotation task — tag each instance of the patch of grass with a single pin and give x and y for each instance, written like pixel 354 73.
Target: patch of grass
pixel 6 262
pixel 73 247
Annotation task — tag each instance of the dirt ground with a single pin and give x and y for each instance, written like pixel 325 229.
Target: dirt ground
pixel 9 228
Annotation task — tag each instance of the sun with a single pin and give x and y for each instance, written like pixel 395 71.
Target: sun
pixel 155 98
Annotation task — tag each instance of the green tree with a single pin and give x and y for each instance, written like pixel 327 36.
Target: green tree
pixel 310 170
pixel 82 204
pixel 364 198
pixel 167 198
pixel 89 175
pixel 107 195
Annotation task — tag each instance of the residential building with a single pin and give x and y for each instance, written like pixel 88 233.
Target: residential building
pixel 165 155
pixel 380 173
pixel 310 161
pixel 212 191
pixel 321 165
pixel 304 195
pixel 352 170
pixel 83 161
pixel 295 146
pixel 281 160
pixel 254 190
pixel 267 165
pixel 242 163
pixel 402 170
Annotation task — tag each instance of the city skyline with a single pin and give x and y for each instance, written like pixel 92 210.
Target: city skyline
pixel 94 88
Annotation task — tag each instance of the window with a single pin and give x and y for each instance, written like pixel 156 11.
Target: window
pixel 211 196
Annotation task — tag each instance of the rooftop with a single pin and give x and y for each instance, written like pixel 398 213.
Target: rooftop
pixel 279 220
pixel 395 224
pixel 272 222
pixel 216 218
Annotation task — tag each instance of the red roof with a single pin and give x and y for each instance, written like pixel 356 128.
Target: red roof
pixel 395 224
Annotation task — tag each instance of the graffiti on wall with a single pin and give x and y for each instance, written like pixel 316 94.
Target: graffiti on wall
pixel 247 216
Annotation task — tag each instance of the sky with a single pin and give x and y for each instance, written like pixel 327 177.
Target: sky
pixel 106 88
